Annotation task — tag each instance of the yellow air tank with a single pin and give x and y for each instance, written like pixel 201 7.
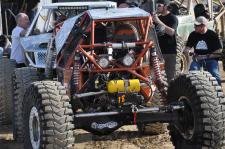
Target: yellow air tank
pixel 115 86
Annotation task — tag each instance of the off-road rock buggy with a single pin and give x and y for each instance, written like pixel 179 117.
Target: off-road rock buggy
pixel 35 44
pixel 107 71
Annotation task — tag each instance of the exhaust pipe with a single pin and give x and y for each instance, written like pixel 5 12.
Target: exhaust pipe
pixel 82 95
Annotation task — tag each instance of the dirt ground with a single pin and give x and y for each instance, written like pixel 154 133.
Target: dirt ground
pixel 125 138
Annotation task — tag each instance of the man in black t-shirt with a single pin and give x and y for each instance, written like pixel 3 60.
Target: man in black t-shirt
pixel 166 25
pixel 207 48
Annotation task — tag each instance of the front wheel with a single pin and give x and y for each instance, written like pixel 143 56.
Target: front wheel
pixel 48 117
pixel 201 124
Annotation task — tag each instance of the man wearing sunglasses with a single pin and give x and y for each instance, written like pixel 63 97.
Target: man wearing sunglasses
pixel 166 25
pixel 207 48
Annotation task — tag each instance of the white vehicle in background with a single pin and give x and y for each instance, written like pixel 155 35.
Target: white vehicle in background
pixel 35 45
pixel 44 22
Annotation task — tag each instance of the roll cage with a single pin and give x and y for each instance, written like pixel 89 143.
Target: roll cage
pixel 85 26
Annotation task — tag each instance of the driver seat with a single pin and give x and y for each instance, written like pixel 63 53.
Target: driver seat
pixel 125 32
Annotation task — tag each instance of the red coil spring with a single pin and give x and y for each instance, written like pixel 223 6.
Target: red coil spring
pixel 157 73
pixel 156 67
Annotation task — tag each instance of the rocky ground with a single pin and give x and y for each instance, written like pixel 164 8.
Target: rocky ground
pixel 124 138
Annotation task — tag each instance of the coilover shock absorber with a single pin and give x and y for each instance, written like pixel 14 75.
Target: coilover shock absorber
pixel 157 72
pixel 50 59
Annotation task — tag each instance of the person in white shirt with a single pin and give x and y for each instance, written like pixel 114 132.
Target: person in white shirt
pixel 17 51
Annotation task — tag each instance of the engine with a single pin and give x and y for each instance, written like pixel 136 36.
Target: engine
pixel 121 93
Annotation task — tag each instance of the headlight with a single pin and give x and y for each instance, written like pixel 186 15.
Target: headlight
pixel 128 60
pixel 103 62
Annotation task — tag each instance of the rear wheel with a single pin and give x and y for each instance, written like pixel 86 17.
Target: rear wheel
pixel 155 128
pixel 48 116
pixel 7 67
pixel 202 122
pixel 22 78
pixel 183 59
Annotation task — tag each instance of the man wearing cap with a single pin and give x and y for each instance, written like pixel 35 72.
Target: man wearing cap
pixel 207 48
pixel 166 25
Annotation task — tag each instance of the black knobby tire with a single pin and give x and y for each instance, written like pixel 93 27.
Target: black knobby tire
pixel 217 87
pixel 22 78
pixel 203 117
pixel 183 59
pixel 47 107
pixel 7 67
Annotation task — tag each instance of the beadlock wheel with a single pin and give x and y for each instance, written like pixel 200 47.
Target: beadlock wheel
pixel 186 122
pixel 47 117
pixel 34 127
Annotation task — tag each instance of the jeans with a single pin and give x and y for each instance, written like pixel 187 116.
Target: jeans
pixel 170 66
pixel 210 65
